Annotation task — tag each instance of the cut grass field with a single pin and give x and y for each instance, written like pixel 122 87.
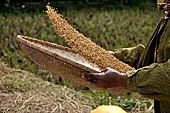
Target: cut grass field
pixel 110 29
pixel 21 91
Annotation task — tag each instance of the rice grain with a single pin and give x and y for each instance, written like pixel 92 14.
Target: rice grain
pixel 84 46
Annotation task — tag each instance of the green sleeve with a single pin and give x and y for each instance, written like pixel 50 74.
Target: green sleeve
pixel 131 55
pixel 151 81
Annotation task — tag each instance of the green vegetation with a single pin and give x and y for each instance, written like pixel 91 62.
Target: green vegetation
pixel 111 28
pixel 31 7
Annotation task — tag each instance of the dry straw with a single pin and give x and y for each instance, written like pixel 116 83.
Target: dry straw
pixel 84 46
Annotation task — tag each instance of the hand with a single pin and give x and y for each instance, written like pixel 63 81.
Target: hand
pixel 111 52
pixel 108 78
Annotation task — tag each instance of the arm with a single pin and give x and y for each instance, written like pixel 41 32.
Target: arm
pixel 131 55
pixel 108 79
pixel 151 81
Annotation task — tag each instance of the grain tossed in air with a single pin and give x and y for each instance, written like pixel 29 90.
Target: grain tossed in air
pixel 84 46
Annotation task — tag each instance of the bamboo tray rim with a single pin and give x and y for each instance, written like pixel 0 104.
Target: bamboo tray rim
pixel 32 43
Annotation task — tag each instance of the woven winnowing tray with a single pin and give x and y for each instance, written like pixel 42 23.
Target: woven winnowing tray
pixel 61 61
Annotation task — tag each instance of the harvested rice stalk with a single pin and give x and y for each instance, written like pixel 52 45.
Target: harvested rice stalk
pixel 84 46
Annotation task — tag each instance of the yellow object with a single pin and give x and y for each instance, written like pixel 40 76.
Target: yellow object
pixel 108 109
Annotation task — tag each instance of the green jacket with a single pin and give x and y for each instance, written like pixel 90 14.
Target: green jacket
pixel 152 77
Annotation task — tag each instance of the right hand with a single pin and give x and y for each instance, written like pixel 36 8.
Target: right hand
pixel 108 78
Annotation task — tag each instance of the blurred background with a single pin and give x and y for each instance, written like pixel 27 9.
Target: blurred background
pixel 111 24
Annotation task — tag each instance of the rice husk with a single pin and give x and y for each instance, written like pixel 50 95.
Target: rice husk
pixel 84 46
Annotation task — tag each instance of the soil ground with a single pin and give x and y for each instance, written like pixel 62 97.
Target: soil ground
pixel 21 91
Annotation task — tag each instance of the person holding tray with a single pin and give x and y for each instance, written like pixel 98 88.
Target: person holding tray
pixel 152 77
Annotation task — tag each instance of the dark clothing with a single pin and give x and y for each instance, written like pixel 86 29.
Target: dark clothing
pixel 152 77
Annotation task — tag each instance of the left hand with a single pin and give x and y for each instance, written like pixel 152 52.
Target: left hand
pixel 111 52
pixel 108 78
